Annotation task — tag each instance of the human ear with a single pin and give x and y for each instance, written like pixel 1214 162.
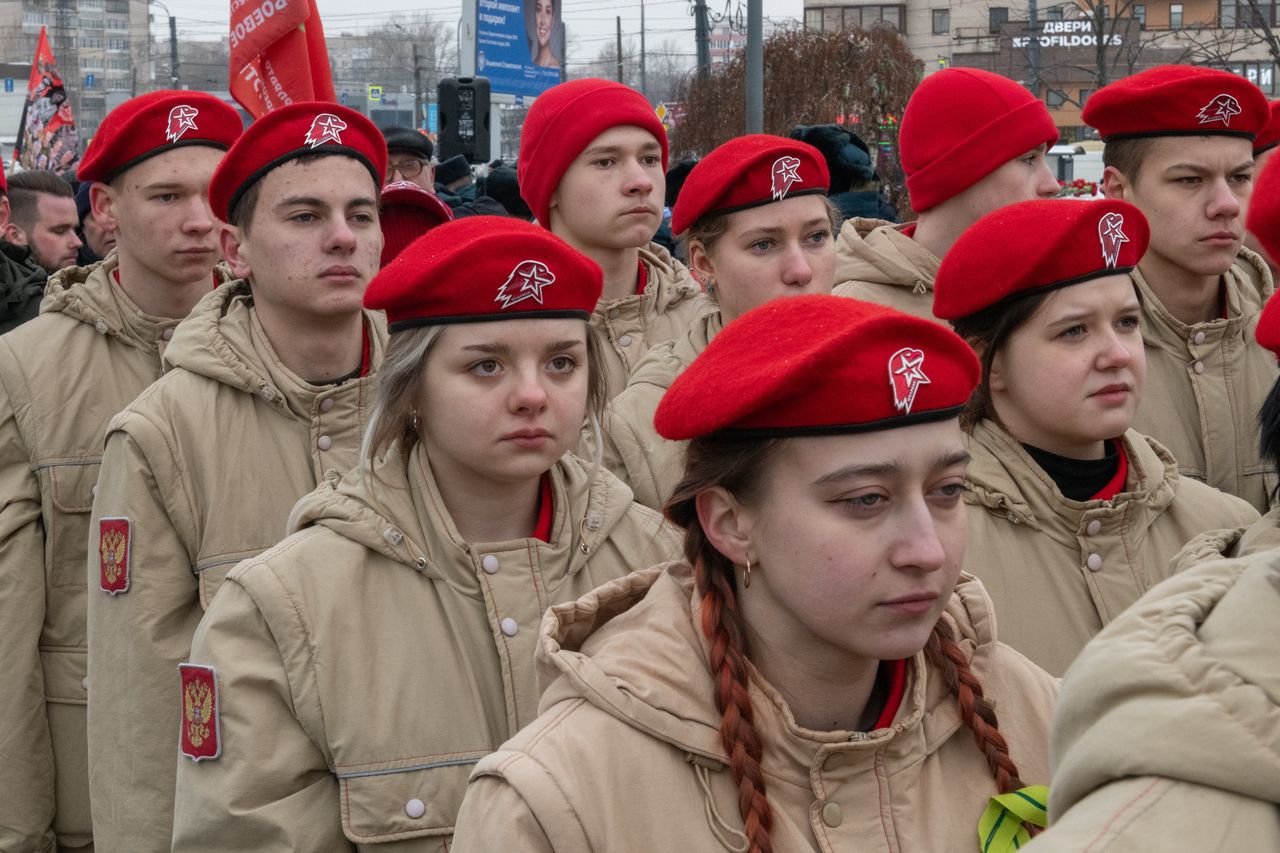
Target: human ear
pixel 230 239
pixel 1115 184
pixel 102 203
pixel 726 523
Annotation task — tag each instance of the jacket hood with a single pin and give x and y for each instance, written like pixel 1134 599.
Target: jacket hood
pixel 1004 479
pixel 1183 685
pixel 223 340
pixel 91 296
pixel 633 649
pixel 670 281
pixel 878 252
pixel 382 505
pixel 21 281
pixel 664 362
pixel 1248 287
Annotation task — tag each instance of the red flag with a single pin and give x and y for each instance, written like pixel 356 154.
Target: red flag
pixel 278 54
pixel 47 135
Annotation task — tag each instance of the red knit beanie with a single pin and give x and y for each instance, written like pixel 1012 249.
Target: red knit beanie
pixel 408 212
pixel 962 124
pixel 819 365
pixel 563 121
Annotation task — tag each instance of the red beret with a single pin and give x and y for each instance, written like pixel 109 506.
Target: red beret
pixel 1270 136
pixel 408 212
pixel 284 134
pixel 1177 100
pixel 484 268
pixel 561 124
pixel 153 123
pixel 1037 246
pixel 819 365
pixel 1268 332
pixel 1263 219
pixel 746 172
pixel 960 125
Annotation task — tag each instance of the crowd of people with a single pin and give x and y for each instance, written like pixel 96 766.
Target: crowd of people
pixel 348 501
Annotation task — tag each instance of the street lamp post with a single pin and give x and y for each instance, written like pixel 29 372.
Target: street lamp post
pixel 417 78
pixel 173 43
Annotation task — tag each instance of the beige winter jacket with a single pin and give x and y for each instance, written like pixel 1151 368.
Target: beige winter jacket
pixel 1205 384
pixel 368 662
pixel 206 466
pixel 877 262
pixel 63 375
pixel 648 463
pixel 627 754
pixel 1057 569
pixel 1262 535
pixel 1167 735
pixel 634 324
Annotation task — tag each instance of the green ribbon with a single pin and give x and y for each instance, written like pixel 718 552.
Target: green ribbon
pixel 1002 827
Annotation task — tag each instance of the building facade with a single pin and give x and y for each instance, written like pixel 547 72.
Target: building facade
pixel 1065 51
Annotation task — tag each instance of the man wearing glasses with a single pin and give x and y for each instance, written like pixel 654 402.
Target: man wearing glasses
pixel 409 157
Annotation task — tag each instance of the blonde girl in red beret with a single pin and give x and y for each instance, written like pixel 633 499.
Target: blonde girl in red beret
pixel 344 683
pixel 1073 514
pixel 757 225
pixel 816 673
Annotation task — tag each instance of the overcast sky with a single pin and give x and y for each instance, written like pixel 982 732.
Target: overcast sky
pixel 590 22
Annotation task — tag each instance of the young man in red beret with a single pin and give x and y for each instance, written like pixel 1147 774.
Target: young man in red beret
pixel 267 395
pixel 592 161
pixel 970 142
pixel 1179 146
pixel 96 345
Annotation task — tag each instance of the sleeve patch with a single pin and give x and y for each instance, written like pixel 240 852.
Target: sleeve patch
pixel 114 546
pixel 201 736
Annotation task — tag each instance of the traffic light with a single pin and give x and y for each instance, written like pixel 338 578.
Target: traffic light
pixel 464 119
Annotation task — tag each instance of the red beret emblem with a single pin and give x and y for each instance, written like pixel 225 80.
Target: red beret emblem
pixel 785 173
pixel 1112 237
pixel 181 119
pixel 906 376
pixel 525 282
pixel 325 127
pixel 1221 108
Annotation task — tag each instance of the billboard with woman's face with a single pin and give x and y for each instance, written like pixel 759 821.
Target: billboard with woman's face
pixel 519 45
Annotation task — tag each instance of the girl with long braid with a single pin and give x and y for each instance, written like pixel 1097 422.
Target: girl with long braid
pixel 816 673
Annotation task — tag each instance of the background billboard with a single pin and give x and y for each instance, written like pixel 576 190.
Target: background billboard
pixel 519 45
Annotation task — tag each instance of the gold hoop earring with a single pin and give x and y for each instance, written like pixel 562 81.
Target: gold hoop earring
pixel 746 577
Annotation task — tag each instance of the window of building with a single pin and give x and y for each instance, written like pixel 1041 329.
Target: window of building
pixel 1140 15
pixel 1084 96
pixel 1054 98
pixel 941 22
pixel 1261 74
pixel 998 17
pixel 1175 16
pixel 813 19
pixel 1053 14
pixel 831 18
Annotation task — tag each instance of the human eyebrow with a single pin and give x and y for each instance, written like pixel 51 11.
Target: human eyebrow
pixel 301 200
pixel 560 346
pixel 893 466
pixel 496 348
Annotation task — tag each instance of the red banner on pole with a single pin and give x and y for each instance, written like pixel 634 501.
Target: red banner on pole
pixel 278 54
pixel 47 135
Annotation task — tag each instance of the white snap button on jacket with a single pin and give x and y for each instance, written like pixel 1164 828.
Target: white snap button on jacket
pixel 84 682
pixel 509 627
pixel 1199 338
pixel 1198 367
pixel 167 334
pixel 625 340
pixel 324 443
pixel 490 565
pixel 101 325
pixel 326 404
pixel 1093 527
pixel 1094 562
pixel 832 815
pixel 415 808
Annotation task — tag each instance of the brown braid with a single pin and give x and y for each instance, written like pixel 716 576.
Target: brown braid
pixel 975 711
pixel 735 465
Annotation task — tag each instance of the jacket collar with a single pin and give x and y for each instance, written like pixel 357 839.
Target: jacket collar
pixel 223 340
pixel 633 648
pixel 670 283
pixel 1247 285
pixel 879 252
pixel 393 506
pixel 1003 478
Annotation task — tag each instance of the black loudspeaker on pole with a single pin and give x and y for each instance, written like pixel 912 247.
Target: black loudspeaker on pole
pixel 464 119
